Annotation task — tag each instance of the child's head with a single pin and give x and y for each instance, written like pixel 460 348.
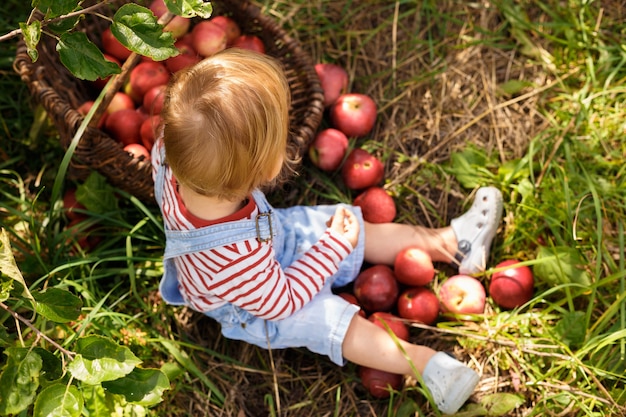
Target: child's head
pixel 226 123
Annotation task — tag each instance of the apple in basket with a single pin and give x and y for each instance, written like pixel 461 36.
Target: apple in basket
pixel 125 126
pixel 112 46
pixel 328 148
pixel 233 31
pixel 120 101
pixel 334 81
pixel 354 114
pixel 376 205
pixel 153 99
pixel 149 131
pixel 376 288
pixel 187 56
pixel 249 42
pixel 414 267
pixel 362 170
pixel 178 26
pixel 137 150
pixel 143 77
pixel 84 109
pixel 208 38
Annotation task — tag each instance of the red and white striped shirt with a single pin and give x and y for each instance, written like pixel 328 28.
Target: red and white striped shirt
pixel 247 274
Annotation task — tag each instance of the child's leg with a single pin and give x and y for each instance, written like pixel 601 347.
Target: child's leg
pixel 448 380
pixel 467 241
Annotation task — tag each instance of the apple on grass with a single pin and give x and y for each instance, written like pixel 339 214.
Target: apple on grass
pixel 249 42
pixel 71 204
pixel 388 321
pixel 328 149
pixel 233 31
pixel 334 81
pixel 512 285
pixel 143 77
pixel 462 295
pixel 419 304
pixel 380 383
pixel 354 114
pixel 178 26
pixel 208 38
pixel 125 126
pixel 376 205
pixel 414 267
pixel 376 288
pixel 362 170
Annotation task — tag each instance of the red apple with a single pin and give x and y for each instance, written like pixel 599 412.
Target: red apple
pixel 250 42
pixel 376 288
pixel 420 304
pixel 143 77
pixel 376 205
pixel 125 126
pixel 186 58
pixel 84 109
pixel 354 114
pixel 414 266
pixel 208 38
pixel 137 150
pixel 83 234
pixel 112 46
pixel 178 26
pixel 388 321
pixel 120 101
pixel 334 81
pixel 328 148
pixel 462 294
pixel 379 383
pixel 149 131
pixel 71 204
pixel 349 297
pixel 362 170
pixel 154 98
pixel 512 286
pixel 233 31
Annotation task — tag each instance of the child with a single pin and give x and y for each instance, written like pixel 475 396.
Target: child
pixel 265 274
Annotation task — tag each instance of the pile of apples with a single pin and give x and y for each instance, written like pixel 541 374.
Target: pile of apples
pixel 391 296
pixel 133 114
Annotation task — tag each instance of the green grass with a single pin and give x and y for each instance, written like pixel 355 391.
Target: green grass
pixel 528 96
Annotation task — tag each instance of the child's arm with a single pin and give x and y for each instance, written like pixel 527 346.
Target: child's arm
pixel 257 283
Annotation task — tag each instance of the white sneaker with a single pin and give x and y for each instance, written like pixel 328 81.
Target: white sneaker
pixel 476 229
pixel 449 381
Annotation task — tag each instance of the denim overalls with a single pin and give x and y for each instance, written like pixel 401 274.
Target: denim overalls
pixel 321 324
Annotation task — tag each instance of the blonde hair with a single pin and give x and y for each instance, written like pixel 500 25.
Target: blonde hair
pixel 226 123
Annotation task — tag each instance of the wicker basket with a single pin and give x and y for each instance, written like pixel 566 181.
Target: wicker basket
pixel 60 93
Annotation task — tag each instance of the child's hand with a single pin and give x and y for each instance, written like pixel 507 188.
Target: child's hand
pixel 345 223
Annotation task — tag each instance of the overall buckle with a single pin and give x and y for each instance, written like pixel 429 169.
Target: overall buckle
pixel 260 217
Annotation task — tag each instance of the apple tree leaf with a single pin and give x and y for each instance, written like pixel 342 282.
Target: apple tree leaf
pixel 56 8
pixel 136 27
pixel 141 386
pixel 31 35
pixel 59 400
pixel 57 305
pixel 83 58
pixel 501 404
pixel 190 8
pixel 19 380
pixel 100 359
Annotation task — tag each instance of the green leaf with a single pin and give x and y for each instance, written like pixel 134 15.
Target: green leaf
pixel 59 400
pixel 31 34
pixel 64 25
pixel 5 338
pixel 9 268
pixel 513 87
pixel 83 58
pixel 572 328
pixel 97 195
pixel 19 380
pixel 136 28
pixel 56 8
pixel 57 305
pixel 98 402
pixel 464 166
pixel 501 404
pixel 190 8
pixel 52 367
pixel 100 359
pixel 559 265
pixel 141 386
